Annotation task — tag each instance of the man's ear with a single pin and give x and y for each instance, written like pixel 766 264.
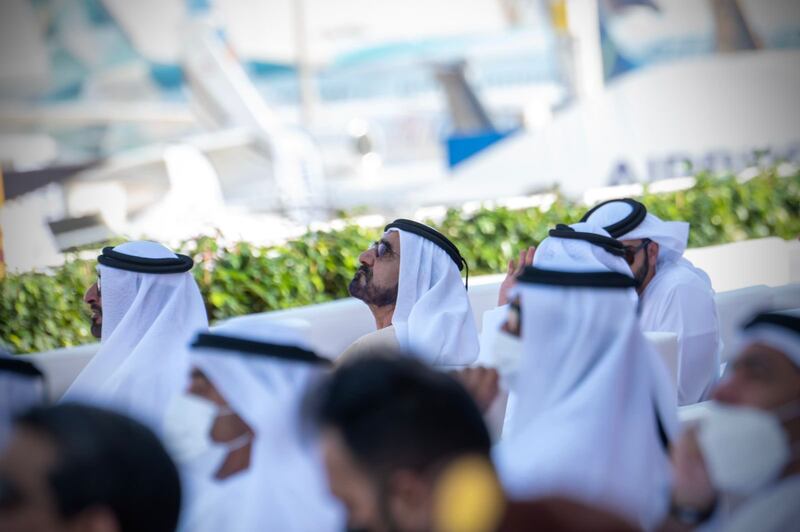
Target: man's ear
pixel 652 252
pixel 94 519
pixel 409 500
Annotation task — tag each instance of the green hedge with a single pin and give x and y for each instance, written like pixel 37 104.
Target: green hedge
pixel 44 311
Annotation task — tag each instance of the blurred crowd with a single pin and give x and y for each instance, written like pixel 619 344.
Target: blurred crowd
pixel 558 415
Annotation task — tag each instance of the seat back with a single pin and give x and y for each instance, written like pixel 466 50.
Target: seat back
pixel 734 308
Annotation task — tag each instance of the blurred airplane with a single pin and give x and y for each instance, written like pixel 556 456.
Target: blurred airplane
pixel 385 109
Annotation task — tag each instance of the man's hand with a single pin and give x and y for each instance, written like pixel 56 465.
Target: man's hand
pixel 481 383
pixel 513 271
pixel 692 486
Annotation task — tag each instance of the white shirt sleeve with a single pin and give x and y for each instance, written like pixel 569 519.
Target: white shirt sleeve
pixel 691 314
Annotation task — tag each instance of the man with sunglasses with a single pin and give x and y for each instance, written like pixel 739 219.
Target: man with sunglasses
pixel 410 280
pixel 675 295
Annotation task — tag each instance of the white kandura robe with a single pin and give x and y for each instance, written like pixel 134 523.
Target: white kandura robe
pixel 205 497
pixel 679 299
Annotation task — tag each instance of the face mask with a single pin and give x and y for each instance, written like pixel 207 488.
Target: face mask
pixel 506 354
pixel 744 448
pixel 187 433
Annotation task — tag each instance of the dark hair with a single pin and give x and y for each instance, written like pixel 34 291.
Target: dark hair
pixel 395 412
pixel 107 459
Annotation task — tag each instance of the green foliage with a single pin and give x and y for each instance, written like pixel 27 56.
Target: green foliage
pixel 41 311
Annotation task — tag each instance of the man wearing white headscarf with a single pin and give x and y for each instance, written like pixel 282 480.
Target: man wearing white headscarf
pixel 146 308
pixel 747 446
pixel 411 281
pixel 238 437
pixel 676 296
pixel 594 405
pixel 21 387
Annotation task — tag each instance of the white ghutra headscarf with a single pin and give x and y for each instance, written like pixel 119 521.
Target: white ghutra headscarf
pixel 433 317
pixel 779 330
pixel 252 363
pixel 152 308
pixel 594 403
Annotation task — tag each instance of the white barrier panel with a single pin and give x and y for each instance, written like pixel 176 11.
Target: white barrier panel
pixel 61 366
pixel 483 292
pixel 334 325
pixel 736 307
pixel 765 261
pixel 786 297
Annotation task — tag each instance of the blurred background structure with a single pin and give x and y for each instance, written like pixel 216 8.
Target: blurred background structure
pixel 255 118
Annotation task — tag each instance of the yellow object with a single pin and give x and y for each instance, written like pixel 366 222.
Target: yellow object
pixel 558 16
pixel 468 497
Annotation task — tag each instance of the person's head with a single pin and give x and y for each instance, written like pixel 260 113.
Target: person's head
pixel 94 300
pixel 642 256
pixel 766 373
pixel 648 239
pixel 227 428
pixel 376 280
pixel 582 248
pixel 247 380
pixel 77 468
pixel 750 435
pixel 389 425
pixel 123 267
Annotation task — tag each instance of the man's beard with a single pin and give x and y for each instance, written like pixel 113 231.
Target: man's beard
pixel 641 274
pixel 96 322
pixel 361 287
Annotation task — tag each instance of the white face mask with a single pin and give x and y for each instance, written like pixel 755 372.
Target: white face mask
pixel 187 434
pixel 506 355
pixel 744 448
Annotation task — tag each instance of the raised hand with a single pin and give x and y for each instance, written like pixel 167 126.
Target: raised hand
pixel 513 271
pixel 692 486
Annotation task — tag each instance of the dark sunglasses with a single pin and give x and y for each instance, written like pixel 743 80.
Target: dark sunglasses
pixel 514 317
pixel 631 251
pixel 382 248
